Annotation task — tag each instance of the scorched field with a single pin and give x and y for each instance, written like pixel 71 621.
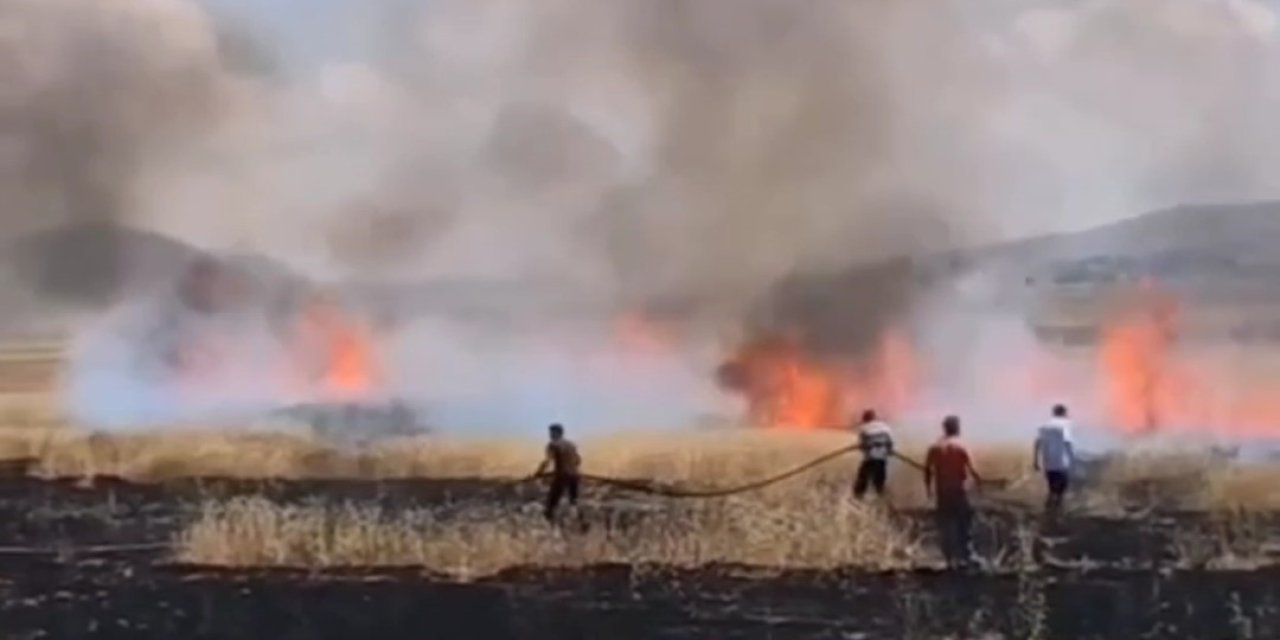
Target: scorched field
pixel 252 536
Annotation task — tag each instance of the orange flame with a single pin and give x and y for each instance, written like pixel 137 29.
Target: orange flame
pixel 343 347
pixel 1150 384
pixel 1140 374
pixel 786 386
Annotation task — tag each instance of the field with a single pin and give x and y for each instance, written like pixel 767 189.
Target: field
pixel 208 534
pixel 257 536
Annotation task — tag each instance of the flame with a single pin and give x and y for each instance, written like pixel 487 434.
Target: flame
pixel 1152 383
pixel 343 348
pixel 783 385
pixel 1140 373
pixel 786 386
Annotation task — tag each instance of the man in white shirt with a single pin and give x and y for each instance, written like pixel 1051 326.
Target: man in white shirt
pixel 875 439
pixel 1054 453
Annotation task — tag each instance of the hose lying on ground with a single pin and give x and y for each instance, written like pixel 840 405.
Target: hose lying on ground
pixel 677 492
pixel 666 490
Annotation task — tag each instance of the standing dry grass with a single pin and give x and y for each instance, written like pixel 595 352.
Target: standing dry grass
pixel 701 457
pixel 1192 480
pixel 815 531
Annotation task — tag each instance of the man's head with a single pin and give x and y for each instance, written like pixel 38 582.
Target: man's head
pixel 1059 410
pixel 868 416
pixel 556 431
pixel 951 426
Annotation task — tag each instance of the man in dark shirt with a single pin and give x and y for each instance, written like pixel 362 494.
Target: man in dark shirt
pixel 948 470
pixel 562 457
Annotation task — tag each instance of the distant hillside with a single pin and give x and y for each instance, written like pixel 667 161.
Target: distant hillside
pixel 1235 243
pixel 1213 235
pixel 51 278
pixel 48 279
pixel 95 264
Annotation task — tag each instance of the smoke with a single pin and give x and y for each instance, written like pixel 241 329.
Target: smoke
pixel 95 93
pixel 727 168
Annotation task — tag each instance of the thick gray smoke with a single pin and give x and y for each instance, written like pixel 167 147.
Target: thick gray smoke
pixel 725 165
pixel 94 95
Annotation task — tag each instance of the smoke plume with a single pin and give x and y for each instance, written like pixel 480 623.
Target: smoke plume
pixel 721 168
pixel 95 93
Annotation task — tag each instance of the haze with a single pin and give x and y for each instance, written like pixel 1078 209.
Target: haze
pixel 633 153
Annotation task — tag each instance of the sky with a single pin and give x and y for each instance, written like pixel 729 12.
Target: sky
pixel 307 37
pixel 1018 117
pixel 303 33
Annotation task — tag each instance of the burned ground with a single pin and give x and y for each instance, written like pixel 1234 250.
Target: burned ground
pixel 1161 575
pixel 119 599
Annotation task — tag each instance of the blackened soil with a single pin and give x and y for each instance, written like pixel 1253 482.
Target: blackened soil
pixel 1084 577
pixel 123 600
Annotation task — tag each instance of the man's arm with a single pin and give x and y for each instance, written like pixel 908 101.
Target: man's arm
pixel 968 463
pixel 1035 454
pixel 929 461
pixel 1070 444
pixel 546 462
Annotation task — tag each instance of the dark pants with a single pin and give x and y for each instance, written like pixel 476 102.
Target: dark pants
pixel 561 485
pixel 954 517
pixel 871 473
pixel 1058 482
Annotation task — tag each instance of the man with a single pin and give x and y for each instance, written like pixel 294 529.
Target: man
pixel 1055 454
pixel 947 471
pixel 875 440
pixel 562 457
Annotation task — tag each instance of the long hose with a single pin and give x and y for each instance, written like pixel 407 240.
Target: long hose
pixel 671 491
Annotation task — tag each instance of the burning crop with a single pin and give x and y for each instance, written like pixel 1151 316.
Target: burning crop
pixel 1154 378
pixel 787 385
pixel 337 349
pixel 325 349
pixel 223 343
pixel 1139 369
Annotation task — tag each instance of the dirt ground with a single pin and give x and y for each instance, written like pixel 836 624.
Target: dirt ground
pixel 1168 575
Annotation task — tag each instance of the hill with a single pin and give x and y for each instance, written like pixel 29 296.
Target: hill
pixel 1191 238
pixel 49 278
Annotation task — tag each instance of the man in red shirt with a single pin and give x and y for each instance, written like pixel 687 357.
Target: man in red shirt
pixel 947 471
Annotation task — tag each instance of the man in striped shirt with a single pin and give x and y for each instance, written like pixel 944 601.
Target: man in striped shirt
pixel 875 439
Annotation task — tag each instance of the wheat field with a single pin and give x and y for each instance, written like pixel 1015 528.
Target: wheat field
pixel 808 521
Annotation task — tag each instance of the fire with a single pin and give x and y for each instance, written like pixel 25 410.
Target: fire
pixel 1141 376
pixel 343 348
pixel 783 385
pixel 787 386
pixel 1150 382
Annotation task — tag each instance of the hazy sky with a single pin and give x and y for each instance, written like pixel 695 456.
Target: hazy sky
pixel 301 32
pixel 700 152
pixel 1050 49
pixel 979 119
